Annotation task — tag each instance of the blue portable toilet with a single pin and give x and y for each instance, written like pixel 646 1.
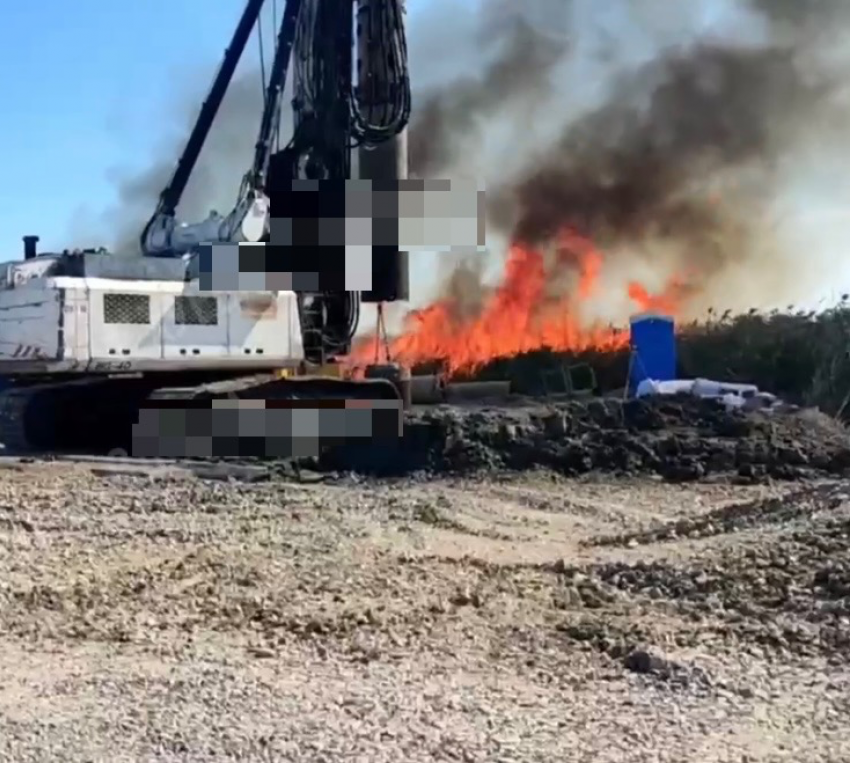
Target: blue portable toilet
pixel 653 348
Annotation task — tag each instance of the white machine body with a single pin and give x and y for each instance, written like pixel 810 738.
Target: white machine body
pixel 59 324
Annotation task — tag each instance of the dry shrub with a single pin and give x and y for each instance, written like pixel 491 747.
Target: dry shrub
pixel 801 356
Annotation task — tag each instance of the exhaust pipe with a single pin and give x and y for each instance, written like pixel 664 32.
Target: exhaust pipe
pixel 30 247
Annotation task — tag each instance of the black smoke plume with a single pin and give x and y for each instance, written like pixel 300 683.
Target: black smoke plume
pixel 685 152
pixel 631 171
pixel 517 74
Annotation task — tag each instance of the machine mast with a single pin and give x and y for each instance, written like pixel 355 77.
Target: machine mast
pixel 332 116
pixel 156 237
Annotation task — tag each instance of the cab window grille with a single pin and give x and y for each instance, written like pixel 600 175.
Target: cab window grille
pixel 196 311
pixel 126 308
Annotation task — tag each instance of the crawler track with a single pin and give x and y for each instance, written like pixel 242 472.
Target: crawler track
pixel 96 415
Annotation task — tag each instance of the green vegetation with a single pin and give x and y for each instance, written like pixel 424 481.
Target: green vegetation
pixel 802 357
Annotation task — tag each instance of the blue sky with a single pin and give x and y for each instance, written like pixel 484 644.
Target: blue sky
pixel 83 84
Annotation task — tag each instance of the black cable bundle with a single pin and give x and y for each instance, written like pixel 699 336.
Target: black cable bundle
pixel 333 116
pixel 378 108
pixel 380 105
pixel 322 77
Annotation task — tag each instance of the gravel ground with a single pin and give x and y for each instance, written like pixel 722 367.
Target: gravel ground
pixel 517 618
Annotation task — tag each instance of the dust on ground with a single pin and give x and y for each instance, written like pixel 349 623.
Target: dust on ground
pixel 499 618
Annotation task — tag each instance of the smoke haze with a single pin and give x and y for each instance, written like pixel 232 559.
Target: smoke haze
pixel 670 141
pixel 676 136
pixel 224 160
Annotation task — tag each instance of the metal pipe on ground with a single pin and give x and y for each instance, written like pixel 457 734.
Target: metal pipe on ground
pixel 484 390
pixel 428 389
pixel 398 375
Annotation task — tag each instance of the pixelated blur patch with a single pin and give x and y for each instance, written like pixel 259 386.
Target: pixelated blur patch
pixel 323 234
pixel 441 215
pixel 262 429
pixel 281 266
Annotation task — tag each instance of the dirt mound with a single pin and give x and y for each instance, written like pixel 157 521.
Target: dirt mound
pixel 679 439
pixel 785 584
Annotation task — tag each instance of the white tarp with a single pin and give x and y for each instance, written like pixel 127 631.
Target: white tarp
pixel 733 395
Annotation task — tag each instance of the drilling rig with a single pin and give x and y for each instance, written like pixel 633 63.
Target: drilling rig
pixel 87 337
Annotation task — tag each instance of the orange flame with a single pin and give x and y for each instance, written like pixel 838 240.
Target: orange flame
pixel 668 301
pixel 518 316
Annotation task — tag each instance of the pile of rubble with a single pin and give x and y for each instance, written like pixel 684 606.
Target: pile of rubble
pixel 681 439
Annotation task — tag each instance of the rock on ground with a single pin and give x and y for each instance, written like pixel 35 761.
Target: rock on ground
pixel 512 618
